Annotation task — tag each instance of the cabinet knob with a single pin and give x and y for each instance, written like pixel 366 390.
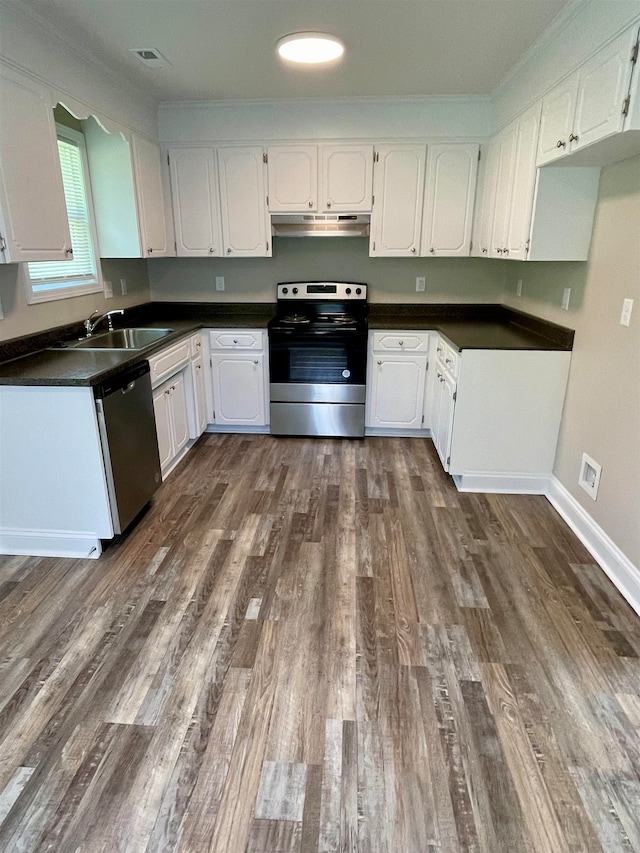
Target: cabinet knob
pixel 379 362
pixel 229 251
pixel 328 204
pixel 499 251
pixel 413 250
pixel 432 250
pixel 561 144
pixel 447 361
pixel 310 204
pixel 235 340
pixel 211 250
pixel 505 251
pixel 68 252
pixel 573 137
pixel 255 361
pixel 484 251
pixel 149 250
pixel 400 343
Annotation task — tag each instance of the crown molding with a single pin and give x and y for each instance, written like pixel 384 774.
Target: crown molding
pixel 330 101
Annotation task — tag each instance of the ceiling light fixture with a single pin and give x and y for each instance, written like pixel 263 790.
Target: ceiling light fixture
pixel 310 48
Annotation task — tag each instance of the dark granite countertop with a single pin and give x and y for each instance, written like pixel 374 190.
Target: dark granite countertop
pixel 30 361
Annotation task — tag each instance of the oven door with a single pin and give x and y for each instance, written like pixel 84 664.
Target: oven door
pixel 314 368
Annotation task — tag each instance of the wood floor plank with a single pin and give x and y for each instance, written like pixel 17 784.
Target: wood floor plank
pixel 319 645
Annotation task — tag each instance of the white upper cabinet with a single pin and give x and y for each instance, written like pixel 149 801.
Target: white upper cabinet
pixel 243 202
pixel 524 177
pixel 590 104
pixel 293 178
pixel 195 202
pixel 488 198
pixel 398 187
pixel 448 200
pixel 347 178
pixel 504 187
pixel 148 179
pixel 33 213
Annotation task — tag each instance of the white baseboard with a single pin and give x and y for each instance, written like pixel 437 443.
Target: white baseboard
pixel 399 433
pixel 622 572
pixel 50 543
pixel 502 484
pixel 258 430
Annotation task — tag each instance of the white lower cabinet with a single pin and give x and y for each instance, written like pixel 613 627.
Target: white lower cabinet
pixel 444 397
pixel 172 425
pixel 396 380
pixel 239 378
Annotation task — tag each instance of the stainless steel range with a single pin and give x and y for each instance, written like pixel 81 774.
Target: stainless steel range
pixel 318 359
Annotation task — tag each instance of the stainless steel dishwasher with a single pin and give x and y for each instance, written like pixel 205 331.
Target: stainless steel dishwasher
pixel 129 443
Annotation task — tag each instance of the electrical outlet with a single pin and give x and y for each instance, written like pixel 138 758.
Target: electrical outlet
pixel 219 282
pixel 566 296
pixel 590 473
pixel 421 284
pixel 627 307
pixel 108 289
pixel 519 287
pixel 123 286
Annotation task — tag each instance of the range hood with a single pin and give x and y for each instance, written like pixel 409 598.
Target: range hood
pixel 321 225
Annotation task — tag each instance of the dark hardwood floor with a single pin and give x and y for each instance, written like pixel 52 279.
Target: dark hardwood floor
pixel 319 645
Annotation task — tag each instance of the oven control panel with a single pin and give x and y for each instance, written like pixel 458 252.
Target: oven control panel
pixel 322 290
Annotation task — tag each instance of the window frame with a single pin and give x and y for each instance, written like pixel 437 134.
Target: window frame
pixel 68 289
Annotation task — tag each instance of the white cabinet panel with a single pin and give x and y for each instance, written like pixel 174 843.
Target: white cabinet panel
pixel 194 188
pixel 33 213
pixel 443 415
pixel 148 175
pixel 448 200
pixel 293 178
pixel 485 228
pixel 163 425
pixel 243 201
pixel 200 418
pixel 524 178
pixel 238 389
pixel 396 217
pixel 504 188
pixel 556 121
pixel 172 428
pixel 396 386
pixel 347 178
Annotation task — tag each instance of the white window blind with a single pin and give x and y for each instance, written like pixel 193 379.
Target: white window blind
pixel 58 279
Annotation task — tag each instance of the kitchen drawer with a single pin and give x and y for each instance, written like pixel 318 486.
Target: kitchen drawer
pixel 401 341
pixel 448 357
pixel 196 345
pixel 236 340
pixel 169 361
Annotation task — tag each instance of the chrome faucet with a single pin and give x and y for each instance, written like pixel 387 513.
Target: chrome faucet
pixel 89 326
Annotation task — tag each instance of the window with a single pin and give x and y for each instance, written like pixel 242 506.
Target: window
pixel 62 279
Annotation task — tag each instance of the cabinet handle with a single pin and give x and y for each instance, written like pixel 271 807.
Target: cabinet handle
pixel 505 251
pixel 198 367
pixel 229 251
pixel 310 204
pixel 484 251
pixel 149 250
pixel 328 204
pixel 432 250
pixel 561 144
pixel 255 361
pixel 235 340
pixel 413 250
pixel 211 250
pixel 573 137
pixel 379 362
pixel 499 251
pixel 168 391
pixel 439 349
pixel 68 252
pixel 447 361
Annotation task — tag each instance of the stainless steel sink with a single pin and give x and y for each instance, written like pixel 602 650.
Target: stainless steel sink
pixel 122 339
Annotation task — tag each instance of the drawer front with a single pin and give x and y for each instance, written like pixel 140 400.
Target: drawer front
pixel 196 345
pixel 401 341
pixel 236 340
pixel 169 361
pixel 448 358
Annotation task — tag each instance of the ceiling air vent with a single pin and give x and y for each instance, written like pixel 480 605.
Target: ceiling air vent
pixel 149 56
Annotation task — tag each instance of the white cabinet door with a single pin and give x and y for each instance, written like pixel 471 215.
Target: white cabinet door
pixel 293 178
pixel 243 202
pixel 200 418
pixel 347 178
pixel 524 179
pixel 194 189
pixel 443 417
pixel 33 213
pixel 397 391
pixel 488 197
pixel 448 200
pixel 179 418
pixel 238 389
pixel 556 122
pixel 504 184
pixel 602 88
pixel 396 218
pixel 148 178
pixel 163 424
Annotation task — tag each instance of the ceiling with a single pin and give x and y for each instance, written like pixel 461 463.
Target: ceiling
pixel 225 49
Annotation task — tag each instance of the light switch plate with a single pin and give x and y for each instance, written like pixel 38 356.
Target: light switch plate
pixel 627 307
pixel 421 284
pixel 219 282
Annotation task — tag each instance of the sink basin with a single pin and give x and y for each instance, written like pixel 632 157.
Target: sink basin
pixel 122 339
